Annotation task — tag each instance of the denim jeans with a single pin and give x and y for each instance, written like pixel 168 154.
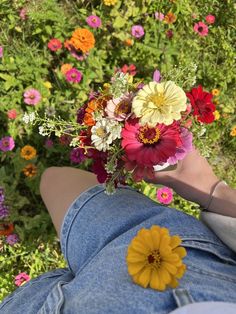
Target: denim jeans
pixel 95 234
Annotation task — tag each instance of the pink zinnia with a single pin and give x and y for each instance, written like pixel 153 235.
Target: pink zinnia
pixel 7 143
pixel 94 21
pixel 54 44
pixel 210 19
pixel 12 114
pixel 150 146
pixel 1 51
pixel 137 31
pixel 119 108
pixel 201 28
pixel 181 152
pixel 23 14
pixel 21 279
pixel 139 172
pixel 32 97
pixel 159 16
pixel 74 75
pixel 165 195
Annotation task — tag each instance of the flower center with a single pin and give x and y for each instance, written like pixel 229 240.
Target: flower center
pixel 32 96
pixel 200 28
pixel 73 75
pixel 100 132
pixel 5 143
pixel 158 99
pixel 122 107
pixel 149 135
pixel 94 20
pixel 155 258
pixel 164 195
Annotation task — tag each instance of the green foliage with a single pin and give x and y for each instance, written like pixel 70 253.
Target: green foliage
pixel 28 63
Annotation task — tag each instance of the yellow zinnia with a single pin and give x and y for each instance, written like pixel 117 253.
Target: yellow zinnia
pixel 216 114
pixel 159 103
pixel 30 170
pixel 215 92
pixel 28 152
pixel 155 258
pixel 233 131
pixel 109 2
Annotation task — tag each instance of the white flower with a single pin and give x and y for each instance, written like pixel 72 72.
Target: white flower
pixel 28 118
pixel 42 131
pixel 104 132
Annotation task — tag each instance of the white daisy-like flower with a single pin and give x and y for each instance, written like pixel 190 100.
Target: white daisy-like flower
pixel 159 103
pixel 104 132
pixel 28 118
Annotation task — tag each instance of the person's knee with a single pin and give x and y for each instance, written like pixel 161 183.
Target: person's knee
pixel 48 178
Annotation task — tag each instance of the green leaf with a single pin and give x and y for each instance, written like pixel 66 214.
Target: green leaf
pixel 119 22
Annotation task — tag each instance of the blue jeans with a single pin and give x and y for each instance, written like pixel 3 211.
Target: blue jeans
pixel 94 238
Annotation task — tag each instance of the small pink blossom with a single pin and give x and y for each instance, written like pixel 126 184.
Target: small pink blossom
pixel 159 16
pixel 32 97
pixel 12 114
pixel 48 143
pixel 137 31
pixel 54 44
pixel 94 21
pixel 201 28
pixel 119 108
pixel 7 143
pixel 23 14
pixel 21 279
pixel 74 75
pixel 188 124
pixel 165 195
pixel 210 19
pixel 1 51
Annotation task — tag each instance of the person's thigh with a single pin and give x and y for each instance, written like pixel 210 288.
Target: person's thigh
pixel 60 186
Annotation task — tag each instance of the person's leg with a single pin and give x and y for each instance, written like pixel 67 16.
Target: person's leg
pixel 60 186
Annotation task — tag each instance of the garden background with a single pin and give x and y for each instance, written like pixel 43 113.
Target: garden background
pixel 29 59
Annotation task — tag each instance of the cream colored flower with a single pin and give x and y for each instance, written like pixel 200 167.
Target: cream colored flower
pixel 104 132
pixel 159 103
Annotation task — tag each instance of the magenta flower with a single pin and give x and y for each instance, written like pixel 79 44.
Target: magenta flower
pixel 12 114
pixel 32 97
pixel 137 31
pixel 48 143
pixel 21 279
pixel 74 75
pixel 94 21
pixel 7 143
pixel 210 19
pixel 157 76
pixel 4 211
pixel 187 139
pixel 201 28
pixel 2 196
pixel 23 14
pixel 54 44
pixel 12 239
pixel 77 155
pixel 1 51
pixel 159 16
pixel 165 195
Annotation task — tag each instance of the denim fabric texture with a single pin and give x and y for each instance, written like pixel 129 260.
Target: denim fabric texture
pixel 95 234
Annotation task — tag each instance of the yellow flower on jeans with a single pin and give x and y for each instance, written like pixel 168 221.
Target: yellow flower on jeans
pixel 155 258
pixel 159 103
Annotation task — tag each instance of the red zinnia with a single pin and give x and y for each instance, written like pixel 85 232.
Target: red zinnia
pixel 150 146
pixel 202 104
pixel 54 44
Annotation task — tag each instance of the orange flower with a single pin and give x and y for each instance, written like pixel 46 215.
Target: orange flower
pixel 82 39
pixel 6 228
pixel 30 170
pixel 65 68
pixel 128 42
pixel 170 18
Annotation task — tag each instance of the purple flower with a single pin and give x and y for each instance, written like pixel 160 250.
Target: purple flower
pixel 181 152
pixel 137 31
pixel 77 155
pixel 157 76
pixel 74 75
pixel 4 211
pixel 94 21
pixel 32 97
pixel 140 85
pixel 159 16
pixel 12 239
pixel 81 113
pixel 1 51
pixel 2 197
pixel 48 143
pixel 7 143
pixel 169 33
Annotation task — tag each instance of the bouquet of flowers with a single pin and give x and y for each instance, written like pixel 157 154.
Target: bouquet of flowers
pixel 130 129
